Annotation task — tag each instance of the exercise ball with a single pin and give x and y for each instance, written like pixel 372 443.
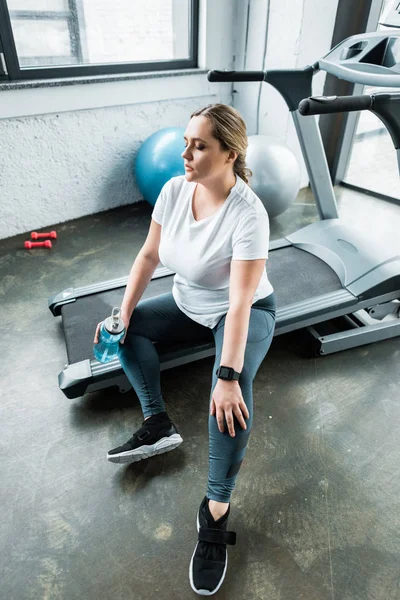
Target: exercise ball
pixel 159 159
pixel 276 173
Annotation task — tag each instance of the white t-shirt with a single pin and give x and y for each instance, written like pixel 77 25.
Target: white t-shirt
pixel 200 252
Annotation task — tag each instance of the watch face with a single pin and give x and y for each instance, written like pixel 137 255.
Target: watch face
pixel 225 372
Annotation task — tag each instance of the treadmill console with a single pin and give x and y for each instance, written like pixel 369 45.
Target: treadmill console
pixel 368 58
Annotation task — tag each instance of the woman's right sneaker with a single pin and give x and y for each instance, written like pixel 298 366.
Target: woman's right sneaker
pixel 157 435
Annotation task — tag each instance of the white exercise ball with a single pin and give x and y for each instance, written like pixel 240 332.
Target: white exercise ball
pixel 276 173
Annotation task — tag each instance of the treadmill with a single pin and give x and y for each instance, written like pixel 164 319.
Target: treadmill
pixel 322 273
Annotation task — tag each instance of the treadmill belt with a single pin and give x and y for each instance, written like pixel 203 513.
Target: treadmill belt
pixel 295 275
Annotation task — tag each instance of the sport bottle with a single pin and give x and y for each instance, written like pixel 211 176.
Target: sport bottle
pixel 112 330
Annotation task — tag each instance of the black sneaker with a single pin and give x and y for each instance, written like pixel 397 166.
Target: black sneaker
pixel 157 435
pixel 210 558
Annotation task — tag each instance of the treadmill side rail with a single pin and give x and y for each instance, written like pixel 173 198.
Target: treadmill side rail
pixel 301 314
pixel 55 302
pixel 90 375
pixel 71 294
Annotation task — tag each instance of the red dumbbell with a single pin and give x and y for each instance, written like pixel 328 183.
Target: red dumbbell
pixel 46 244
pixel 51 234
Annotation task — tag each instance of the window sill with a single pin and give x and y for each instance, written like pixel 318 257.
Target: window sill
pixel 63 95
pixel 63 81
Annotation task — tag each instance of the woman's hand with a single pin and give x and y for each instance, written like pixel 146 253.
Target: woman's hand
pixel 125 321
pixel 227 401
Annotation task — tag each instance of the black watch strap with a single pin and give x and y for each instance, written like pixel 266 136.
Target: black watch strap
pixel 227 373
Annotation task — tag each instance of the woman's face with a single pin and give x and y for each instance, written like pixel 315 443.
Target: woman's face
pixel 203 156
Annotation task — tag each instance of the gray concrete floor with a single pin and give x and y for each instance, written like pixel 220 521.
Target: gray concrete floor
pixel 316 506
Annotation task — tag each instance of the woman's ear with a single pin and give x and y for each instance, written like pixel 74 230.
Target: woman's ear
pixel 232 156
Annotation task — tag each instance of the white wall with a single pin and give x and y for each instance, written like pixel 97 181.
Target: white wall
pixel 68 151
pixel 62 166
pixel 283 34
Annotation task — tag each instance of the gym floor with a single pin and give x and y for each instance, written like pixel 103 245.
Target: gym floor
pixel 316 507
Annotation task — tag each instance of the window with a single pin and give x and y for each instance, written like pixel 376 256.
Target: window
pixel 64 38
pixel 372 165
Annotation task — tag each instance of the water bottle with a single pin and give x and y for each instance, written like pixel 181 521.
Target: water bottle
pixel 112 330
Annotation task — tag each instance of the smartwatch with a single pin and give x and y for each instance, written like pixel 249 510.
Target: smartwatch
pixel 227 373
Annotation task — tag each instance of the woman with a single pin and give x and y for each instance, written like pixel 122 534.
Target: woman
pixel 212 230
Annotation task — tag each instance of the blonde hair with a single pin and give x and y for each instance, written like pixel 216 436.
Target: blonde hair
pixel 229 128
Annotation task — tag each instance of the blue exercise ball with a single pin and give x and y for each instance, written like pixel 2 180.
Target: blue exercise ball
pixel 158 159
pixel 276 173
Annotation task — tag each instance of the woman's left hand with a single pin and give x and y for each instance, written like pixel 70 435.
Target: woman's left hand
pixel 227 401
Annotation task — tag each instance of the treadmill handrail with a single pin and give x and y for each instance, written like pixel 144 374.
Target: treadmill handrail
pixel 385 105
pixel 321 105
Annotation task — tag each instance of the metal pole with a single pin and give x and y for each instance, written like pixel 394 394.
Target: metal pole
pixel 352 17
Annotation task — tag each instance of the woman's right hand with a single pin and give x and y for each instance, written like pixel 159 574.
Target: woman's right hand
pixel 125 321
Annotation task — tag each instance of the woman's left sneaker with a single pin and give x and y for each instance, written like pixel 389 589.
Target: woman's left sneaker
pixel 157 435
pixel 210 558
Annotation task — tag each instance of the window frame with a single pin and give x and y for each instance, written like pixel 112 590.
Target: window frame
pixel 11 71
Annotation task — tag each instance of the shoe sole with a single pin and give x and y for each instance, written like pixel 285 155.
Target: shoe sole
pixel 164 445
pixel 205 592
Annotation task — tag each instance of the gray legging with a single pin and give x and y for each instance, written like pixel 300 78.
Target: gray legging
pixel 159 319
